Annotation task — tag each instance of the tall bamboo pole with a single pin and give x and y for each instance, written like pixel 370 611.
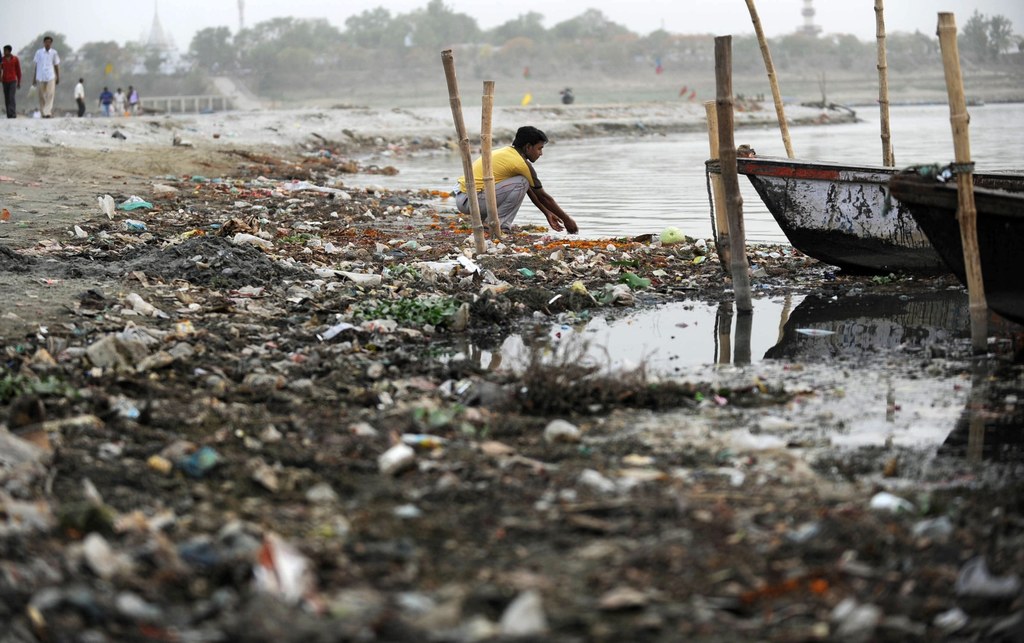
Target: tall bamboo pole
pixel 485 154
pixel 966 211
pixel 772 80
pixel 467 159
pixel 717 190
pixel 888 159
pixel 727 152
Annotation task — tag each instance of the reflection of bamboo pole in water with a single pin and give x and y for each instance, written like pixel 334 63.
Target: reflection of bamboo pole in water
pixel 723 320
pixel 495 362
pixel 787 307
pixel 976 413
pixel 890 402
pixel 744 324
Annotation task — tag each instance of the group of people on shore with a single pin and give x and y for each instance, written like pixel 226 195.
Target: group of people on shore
pixel 46 77
pixel 118 103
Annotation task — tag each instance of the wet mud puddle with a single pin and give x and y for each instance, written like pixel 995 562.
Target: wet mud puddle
pixel 865 370
pixel 674 338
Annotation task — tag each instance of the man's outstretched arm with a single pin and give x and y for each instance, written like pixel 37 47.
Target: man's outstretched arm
pixel 556 216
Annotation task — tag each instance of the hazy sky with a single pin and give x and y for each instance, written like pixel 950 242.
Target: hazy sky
pixel 83 21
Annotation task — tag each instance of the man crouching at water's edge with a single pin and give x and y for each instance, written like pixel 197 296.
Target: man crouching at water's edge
pixel 514 177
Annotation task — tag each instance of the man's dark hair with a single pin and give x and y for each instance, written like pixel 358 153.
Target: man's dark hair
pixel 8 48
pixel 528 135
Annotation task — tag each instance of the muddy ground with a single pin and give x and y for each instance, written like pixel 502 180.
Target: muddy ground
pixel 240 414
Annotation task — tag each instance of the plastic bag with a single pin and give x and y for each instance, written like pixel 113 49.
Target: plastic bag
pixel 106 205
pixel 134 203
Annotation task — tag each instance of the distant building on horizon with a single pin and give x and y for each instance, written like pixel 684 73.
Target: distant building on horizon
pixel 809 27
pixel 159 43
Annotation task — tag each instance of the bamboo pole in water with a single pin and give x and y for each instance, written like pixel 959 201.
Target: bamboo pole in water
pixel 485 155
pixel 727 152
pixel 717 190
pixel 888 159
pixel 448 60
pixel 772 80
pixel 966 211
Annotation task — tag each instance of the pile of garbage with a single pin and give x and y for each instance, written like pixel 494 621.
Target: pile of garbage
pixel 249 424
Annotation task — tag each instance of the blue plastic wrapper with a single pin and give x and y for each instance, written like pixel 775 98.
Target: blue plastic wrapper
pixel 200 462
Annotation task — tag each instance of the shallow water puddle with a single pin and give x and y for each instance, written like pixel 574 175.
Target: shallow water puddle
pixel 665 340
pixel 672 338
pixel 851 360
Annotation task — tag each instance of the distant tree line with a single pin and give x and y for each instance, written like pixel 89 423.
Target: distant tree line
pixel 291 56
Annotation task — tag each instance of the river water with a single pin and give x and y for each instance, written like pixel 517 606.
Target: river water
pixel 617 187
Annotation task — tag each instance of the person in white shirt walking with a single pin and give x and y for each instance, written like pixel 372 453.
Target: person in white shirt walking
pixel 80 97
pixel 119 102
pixel 47 75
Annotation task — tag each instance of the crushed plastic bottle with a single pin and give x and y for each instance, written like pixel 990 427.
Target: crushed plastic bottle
pixel 423 440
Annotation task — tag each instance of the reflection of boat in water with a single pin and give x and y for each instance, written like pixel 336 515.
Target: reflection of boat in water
pixel 991 427
pixel 823 327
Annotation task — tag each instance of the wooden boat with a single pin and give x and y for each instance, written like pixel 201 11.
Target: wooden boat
pixel 999 200
pixel 843 215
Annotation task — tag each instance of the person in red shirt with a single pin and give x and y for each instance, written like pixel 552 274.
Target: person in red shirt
pixel 10 74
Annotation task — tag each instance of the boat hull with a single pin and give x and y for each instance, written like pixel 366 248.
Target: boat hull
pixel 1000 228
pixel 842 215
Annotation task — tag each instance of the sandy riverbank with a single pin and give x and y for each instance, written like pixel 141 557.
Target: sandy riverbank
pixel 363 126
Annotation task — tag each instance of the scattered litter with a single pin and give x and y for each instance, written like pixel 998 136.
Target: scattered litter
pixel 976 580
pixel 134 203
pixel 282 570
pixel 423 440
pixel 106 205
pixel 885 501
pixel 200 462
pixel 672 235
pixel 635 281
pixel 396 459
pixel 334 331
pixel 561 431
pixel 244 238
pixel 815 332
pixel 524 617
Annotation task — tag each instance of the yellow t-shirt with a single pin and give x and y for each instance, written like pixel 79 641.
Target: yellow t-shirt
pixel 506 162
